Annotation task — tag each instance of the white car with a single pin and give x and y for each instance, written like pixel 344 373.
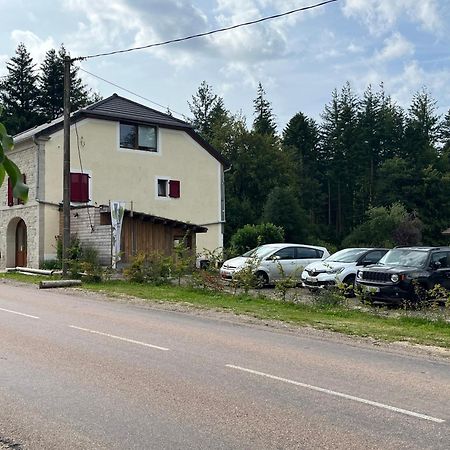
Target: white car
pixel 341 267
pixel 267 259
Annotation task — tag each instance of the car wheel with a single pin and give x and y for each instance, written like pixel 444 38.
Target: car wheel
pixel 262 279
pixel 350 282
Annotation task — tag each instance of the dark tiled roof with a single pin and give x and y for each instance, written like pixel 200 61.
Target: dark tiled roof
pixel 120 108
pixel 116 107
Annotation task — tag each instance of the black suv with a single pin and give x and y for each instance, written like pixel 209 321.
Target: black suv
pixel 405 273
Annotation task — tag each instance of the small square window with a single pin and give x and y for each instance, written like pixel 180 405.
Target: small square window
pixel 162 188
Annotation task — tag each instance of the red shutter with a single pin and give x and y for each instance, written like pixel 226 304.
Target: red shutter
pixel 84 187
pixel 10 193
pixel 79 187
pixel 174 189
pixel 74 187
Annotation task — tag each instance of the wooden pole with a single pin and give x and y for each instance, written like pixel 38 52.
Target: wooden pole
pixel 66 167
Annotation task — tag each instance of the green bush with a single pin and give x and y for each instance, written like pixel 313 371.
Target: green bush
pixel 51 264
pixel 251 236
pixel 151 268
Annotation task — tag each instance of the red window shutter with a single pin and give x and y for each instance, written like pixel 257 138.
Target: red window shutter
pixel 74 187
pixel 174 189
pixel 84 187
pixel 10 193
pixel 79 187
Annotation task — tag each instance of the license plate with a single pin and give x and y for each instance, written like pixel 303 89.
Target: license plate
pixel 311 280
pixel 371 289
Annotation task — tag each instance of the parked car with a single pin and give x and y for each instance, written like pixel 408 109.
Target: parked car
pixel 267 260
pixel 406 273
pixel 341 267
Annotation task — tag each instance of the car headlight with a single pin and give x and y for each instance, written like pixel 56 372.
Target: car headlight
pixel 395 278
pixel 359 275
pixel 336 271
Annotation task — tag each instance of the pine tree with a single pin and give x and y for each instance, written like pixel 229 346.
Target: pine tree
pixel 421 132
pixel 204 107
pixel 339 151
pixel 301 141
pixel 19 92
pixel 52 86
pixel 264 122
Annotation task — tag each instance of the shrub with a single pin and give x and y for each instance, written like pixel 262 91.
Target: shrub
pixel 325 299
pixel 51 264
pixel 285 282
pixel 149 268
pixel 183 261
pixel 251 236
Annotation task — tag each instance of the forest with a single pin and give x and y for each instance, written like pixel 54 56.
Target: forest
pixel 370 172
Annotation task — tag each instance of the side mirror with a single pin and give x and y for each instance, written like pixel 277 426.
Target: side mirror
pixel 273 258
pixel 436 265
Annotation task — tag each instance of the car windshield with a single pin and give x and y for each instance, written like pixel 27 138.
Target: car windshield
pixel 260 252
pixel 404 257
pixel 348 255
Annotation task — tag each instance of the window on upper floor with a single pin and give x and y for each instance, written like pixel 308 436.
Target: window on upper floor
pixel 13 201
pixel 79 187
pixel 138 137
pixel 168 188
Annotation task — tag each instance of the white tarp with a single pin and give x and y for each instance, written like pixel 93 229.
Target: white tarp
pixel 117 212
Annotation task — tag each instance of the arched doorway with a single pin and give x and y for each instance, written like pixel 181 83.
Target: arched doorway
pixel 21 244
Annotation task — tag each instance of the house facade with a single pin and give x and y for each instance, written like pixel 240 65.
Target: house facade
pixel 120 151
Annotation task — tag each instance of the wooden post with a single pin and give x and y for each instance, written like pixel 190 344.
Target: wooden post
pixel 66 166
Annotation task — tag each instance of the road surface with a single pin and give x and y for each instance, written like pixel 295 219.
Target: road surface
pixel 82 373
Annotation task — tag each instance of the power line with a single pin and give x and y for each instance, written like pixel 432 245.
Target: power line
pixel 131 92
pixel 207 33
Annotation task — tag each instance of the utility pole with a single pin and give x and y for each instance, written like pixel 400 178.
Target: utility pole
pixel 66 166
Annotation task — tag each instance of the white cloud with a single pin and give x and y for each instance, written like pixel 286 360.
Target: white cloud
pixel 381 15
pixel 396 46
pixel 35 45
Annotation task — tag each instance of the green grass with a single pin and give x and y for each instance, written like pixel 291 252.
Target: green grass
pixel 403 327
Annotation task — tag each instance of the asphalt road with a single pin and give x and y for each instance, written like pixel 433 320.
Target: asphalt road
pixel 80 373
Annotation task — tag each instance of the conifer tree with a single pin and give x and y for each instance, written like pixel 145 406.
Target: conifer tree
pixel 264 122
pixel 204 108
pixel 51 86
pixel 19 92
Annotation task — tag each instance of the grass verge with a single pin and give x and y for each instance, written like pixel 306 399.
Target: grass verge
pixel 404 327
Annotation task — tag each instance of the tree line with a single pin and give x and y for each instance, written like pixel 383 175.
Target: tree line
pixel 369 173
pixel 31 95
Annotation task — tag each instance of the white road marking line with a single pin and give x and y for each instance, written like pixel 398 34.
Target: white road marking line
pixel 19 313
pixel 339 394
pixel 131 341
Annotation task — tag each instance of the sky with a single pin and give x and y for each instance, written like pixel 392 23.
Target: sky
pixel 299 59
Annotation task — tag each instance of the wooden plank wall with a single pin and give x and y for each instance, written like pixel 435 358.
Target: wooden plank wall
pixel 141 235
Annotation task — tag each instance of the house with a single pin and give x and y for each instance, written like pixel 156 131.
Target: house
pixel 169 180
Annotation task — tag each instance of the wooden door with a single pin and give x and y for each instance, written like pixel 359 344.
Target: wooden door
pixel 21 244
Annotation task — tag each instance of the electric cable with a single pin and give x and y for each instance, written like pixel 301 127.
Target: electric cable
pixel 131 92
pixel 207 33
pixel 82 172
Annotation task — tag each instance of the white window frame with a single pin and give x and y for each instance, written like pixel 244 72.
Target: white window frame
pixel 162 178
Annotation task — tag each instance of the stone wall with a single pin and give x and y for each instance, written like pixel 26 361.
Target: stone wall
pixel 85 224
pixel 25 157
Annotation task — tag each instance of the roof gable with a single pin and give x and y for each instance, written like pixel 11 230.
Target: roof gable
pixel 116 107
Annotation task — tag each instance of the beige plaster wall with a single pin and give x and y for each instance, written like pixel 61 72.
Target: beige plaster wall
pixel 130 175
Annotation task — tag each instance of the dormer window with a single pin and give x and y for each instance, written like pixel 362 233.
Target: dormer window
pixel 138 137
